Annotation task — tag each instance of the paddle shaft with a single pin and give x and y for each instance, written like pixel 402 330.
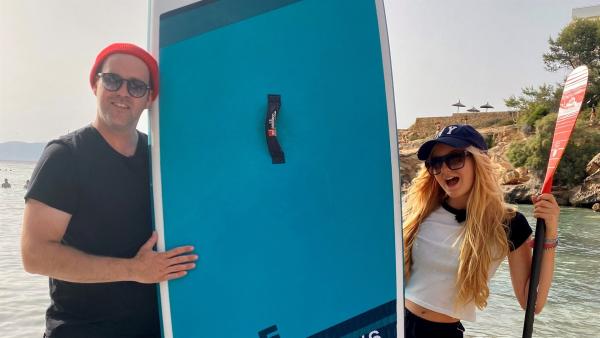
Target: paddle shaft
pixel 536 266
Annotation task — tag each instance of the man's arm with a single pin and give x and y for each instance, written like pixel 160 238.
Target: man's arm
pixel 43 253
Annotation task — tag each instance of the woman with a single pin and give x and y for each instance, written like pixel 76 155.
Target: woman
pixel 457 231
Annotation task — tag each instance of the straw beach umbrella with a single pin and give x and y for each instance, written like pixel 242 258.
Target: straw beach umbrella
pixel 487 106
pixel 458 105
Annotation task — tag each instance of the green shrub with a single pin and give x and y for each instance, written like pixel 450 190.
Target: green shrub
pixel 505 122
pixel 534 153
pixel 535 113
pixel 518 153
pixel 490 141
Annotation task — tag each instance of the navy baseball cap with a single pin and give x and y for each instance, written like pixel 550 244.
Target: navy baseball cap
pixel 454 135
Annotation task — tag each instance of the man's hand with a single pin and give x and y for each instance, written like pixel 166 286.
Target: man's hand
pixel 43 253
pixel 150 266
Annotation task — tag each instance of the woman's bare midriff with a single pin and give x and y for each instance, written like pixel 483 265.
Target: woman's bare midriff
pixel 427 314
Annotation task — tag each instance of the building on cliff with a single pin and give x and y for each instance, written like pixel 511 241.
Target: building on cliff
pixel 590 12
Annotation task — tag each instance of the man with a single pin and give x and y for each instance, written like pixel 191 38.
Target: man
pixel 87 220
pixel 6 185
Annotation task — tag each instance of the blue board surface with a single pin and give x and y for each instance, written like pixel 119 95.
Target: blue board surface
pixel 294 249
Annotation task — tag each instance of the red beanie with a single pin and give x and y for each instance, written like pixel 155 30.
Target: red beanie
pixel 131 49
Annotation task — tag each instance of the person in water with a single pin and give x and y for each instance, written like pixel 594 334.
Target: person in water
pixel 457 231
pixel 6 185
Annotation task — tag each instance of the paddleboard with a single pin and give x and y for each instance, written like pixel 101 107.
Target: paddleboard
pixel 274 153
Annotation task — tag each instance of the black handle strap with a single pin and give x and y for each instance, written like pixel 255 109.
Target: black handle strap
pixel 273 105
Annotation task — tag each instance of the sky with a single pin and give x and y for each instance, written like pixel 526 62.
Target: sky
pixel 477 51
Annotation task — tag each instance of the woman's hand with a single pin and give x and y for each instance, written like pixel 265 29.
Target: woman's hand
pixel 546 208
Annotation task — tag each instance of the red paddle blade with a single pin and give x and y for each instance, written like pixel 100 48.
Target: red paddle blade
pixel 570 104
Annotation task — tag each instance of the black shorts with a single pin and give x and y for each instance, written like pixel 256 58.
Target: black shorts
pixel 417 327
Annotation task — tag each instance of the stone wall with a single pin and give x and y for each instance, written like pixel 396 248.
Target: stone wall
pixel 426 126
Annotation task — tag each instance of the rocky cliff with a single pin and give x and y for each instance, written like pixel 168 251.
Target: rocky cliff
pixel 517 183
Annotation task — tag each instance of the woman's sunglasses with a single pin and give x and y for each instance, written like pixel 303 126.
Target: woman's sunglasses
pixel 112 82
pixel 454 161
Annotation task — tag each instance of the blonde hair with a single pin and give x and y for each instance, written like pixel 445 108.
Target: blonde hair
pixel 484 233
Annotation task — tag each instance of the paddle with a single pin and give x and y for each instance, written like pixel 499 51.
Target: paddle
pixel 570 104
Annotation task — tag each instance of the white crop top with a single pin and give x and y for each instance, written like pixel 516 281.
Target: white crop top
pixel 435 253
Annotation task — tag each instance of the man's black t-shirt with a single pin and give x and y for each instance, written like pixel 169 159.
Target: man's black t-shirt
pixel 108 196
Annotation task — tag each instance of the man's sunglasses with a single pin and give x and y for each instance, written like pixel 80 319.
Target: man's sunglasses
pixel 112 82
pixel 454 161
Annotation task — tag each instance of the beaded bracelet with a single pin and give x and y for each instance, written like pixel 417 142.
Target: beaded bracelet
pixel 549 243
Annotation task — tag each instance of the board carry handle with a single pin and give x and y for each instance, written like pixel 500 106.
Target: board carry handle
pixel 273 105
